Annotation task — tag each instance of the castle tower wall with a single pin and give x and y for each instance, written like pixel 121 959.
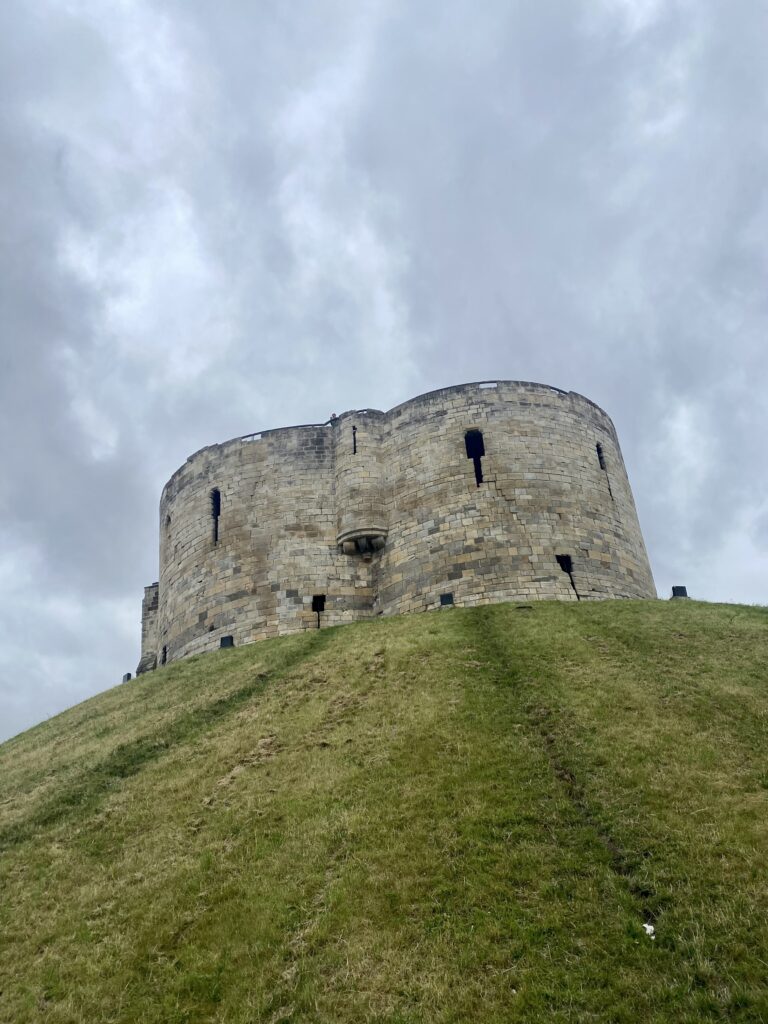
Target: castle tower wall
pixel 255 572
pixel 360 511
pixel 471 494
pixel 543 494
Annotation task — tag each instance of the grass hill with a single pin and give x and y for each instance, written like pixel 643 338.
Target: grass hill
pixel 464 816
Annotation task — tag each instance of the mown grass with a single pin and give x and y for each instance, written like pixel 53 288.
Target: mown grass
pixel 464 816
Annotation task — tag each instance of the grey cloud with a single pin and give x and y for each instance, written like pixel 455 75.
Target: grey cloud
pixel 216 222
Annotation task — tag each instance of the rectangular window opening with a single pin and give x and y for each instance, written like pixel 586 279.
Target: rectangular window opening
pixel 354 440
pixel 566 564
pixel 318 606
pixel 164 656
pixel 604 467
pixel 475 445
pixel 446 600
pixel 215 512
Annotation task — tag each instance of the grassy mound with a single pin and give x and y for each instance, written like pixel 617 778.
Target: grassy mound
pixel 463 816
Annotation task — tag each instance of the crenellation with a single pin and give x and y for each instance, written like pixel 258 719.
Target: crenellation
pixel 382 512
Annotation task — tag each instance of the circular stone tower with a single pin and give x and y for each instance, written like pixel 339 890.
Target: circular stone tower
pixel 496 491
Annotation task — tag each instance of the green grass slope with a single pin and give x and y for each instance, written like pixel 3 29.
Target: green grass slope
pixel 463 816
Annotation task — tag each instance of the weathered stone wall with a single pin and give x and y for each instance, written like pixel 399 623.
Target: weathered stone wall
pixel 388 516
pixel 149 629
pixel 544 493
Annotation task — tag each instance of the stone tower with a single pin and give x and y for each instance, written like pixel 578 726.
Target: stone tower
pixel 496 491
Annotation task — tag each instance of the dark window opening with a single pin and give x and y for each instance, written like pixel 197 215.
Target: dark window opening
pixel 168 523
pixel 318 605
pixel 604 466
pixel 215 512
pixel 445 600
pixel 226 641
pixel 473 439
pixel 566 564
pixel 164 656
pixel 354 440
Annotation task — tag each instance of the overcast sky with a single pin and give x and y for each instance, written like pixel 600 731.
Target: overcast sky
pixel 223 217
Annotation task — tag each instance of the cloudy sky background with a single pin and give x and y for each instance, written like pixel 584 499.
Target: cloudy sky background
pixel 218 218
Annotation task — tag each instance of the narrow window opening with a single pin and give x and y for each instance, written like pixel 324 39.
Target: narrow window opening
pixel 354 440
pixel 164 656
pixel 566 564
pixel 215 512
pixel 473 439
pixel 604 466
pixel 318 605
pixel 445 600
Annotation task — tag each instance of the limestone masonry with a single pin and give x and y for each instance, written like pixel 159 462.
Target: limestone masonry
pixel 469 495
